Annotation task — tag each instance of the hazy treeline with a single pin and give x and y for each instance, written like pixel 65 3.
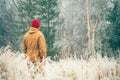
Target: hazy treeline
pixel 64 23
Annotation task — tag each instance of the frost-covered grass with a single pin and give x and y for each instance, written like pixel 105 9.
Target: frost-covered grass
pixel 18 67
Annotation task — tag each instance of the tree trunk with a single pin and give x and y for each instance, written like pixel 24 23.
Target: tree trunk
pixel 88 26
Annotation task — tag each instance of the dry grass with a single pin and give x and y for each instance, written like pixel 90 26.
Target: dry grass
pixel 18 67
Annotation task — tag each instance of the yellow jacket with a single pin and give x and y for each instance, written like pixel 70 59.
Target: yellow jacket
pixel 34 45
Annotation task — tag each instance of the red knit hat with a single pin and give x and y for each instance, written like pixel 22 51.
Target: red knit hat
pixel 35 23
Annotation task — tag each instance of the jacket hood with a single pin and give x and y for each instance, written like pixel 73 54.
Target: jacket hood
pixel 33 30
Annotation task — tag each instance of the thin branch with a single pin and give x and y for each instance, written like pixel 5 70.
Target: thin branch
pixel 93 37
pixel 15 4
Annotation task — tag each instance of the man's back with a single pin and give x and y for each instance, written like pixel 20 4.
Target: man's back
pixel 34 45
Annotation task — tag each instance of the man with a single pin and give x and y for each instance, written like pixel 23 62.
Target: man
pixel 34 44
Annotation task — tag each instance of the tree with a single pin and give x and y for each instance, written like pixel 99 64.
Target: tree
pixel 113 31
pixel 26 12
pixel 7 29
pixel 48 17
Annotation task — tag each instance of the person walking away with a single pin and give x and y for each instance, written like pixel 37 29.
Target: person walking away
pixel 34 44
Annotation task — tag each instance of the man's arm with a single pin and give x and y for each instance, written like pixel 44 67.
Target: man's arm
pixel 42 47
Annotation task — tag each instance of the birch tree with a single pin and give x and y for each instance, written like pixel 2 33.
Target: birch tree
pixel 83 20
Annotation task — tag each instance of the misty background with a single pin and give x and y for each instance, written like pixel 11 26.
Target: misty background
pixel 71 27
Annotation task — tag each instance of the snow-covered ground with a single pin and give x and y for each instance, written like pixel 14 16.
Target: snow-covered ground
pixel 18 67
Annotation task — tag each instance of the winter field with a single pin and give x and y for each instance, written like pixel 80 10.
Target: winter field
pixel 70 27
pixel 15 67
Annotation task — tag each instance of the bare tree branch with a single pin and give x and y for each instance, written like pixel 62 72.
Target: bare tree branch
pixel 15 3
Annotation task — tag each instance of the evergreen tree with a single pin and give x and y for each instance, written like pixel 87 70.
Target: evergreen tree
pixel 113 31
pixel 7 35
pixel 48 17
pixel 26 12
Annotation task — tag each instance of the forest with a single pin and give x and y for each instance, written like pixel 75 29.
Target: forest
pixel 78 29
pixel 70 27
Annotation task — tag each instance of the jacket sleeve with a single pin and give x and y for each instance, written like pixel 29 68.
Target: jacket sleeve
pixel 42 46
pixel 24 48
